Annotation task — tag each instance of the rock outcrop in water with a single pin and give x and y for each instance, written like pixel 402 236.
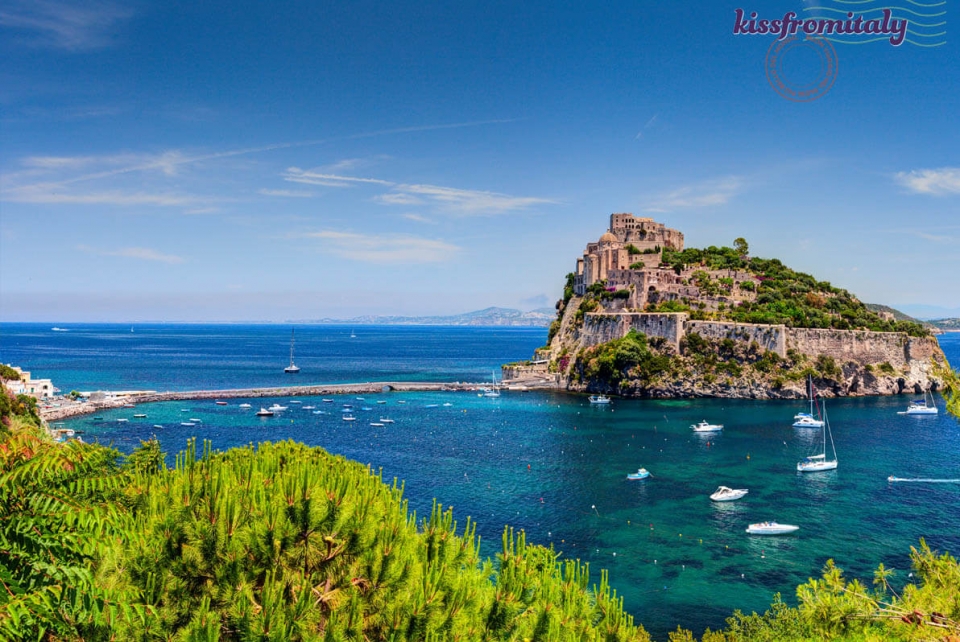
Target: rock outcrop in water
pixel 684 323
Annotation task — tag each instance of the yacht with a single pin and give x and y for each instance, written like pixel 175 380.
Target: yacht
pixel 807 419
pixel 819 462
pixel 263 412
pixel 703 426
pixel 771 528
pixel 292 368
pixel 724 494
pixel 921 406
pixel 642 473
pixel 277 407
pixel 599 399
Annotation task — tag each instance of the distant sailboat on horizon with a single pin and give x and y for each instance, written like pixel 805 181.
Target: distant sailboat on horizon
pixel 292 368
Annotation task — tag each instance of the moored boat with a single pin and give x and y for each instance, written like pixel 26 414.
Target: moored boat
pixel 703 426
pixel 263 412
pixel 724 494
pixel 771 528
pixel 599 399
pixel 642 473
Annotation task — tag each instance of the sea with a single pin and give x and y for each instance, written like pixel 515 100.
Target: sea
pixel 550 464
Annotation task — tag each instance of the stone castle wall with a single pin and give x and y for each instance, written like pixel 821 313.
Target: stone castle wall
pixel 769 337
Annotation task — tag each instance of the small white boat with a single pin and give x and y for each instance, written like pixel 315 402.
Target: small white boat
pixel 599 399
pixel 703 426
pixel 140 416
pixel 122 420
pixel 724 494
pixel 309 407
pixel 376 424
pixel 196 421
pixel 245 405
pixel 184 410
pixel 382 401
pixel 327 400
pixel 263 412
pixel 277 407
pixel 806 421
pixel 360 399
pixel 401 401
pixel 157 426
pixel 292 368
pixel 294 401
pixel 319 412
pixel 349 418
pixel 819 462
pixel 220 403
pixel 771 528
pixel 188 424
pixel 921 407
pixel 384 420
pixel 642 473
pixel 447 405
pixel 432 405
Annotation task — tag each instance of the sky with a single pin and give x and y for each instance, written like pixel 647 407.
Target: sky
pixel 273 161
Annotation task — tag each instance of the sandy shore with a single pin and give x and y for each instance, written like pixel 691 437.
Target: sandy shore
pixel 73 409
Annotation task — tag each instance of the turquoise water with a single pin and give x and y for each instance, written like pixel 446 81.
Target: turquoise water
pixel 556 467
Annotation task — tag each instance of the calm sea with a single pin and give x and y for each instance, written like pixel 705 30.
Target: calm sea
pixel 552 464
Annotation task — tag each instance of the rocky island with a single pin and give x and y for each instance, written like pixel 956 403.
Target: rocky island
pixel 643 316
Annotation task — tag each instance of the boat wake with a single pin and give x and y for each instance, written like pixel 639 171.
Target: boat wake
pixel 926 480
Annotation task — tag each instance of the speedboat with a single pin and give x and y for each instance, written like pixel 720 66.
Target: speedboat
pixel 349 418
pixel 158 425
pixel 447 405
pixel 277 407
pixel 432 405
pixel 771 528
pixel 140 416
pixel 376 424
pixel 599 399
pixel 703 426
pixel 327 400
pixel 263 412
pixel 188 424
pixel 245 405
pixel 221 403
pixel 384 420
pixel 382 401
pixel 806 421
pixel 122 420
pixel 642 473
pixel 724 494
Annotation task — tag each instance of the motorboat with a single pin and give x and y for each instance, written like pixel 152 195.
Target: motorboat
pixel 188 424
pixel 140 416
pixel 196 421
pixel 263 412
pixel 376 424
pixel 599 399
pixel 703 426
pixel 771 528
pixel 819 462
pixel 277 407
pixel 309 407
pixel 245 405
pixel 447 405
pixel 295 401
pixel 384 420
pixel 642 473
pixel 349 418
pixel 327 400
pixel 432 405
pixel 382 401
pixel 157 425
pixel 921 407
pixel 122 420
pixel 220 403
pixel 724 494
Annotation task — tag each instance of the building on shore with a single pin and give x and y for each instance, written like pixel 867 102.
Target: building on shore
pixel 27 385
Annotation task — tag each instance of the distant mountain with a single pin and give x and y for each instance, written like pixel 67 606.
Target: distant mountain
pixel 926 312
pixel 493 316
pixel 947 325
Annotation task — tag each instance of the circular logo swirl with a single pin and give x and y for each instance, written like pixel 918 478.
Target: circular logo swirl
pixel 780 51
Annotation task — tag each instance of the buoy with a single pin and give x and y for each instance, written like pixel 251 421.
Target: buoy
pixel 528 466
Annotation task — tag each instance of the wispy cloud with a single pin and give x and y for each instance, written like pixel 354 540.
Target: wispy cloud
pixel 936 238
pixel 463 202
pixel 113 197
pixel 286 193
pixel 418 218
pixel 297 175
pixel 704 194
pixel 938 182
pixel 387 248
pixel 140 253
pixel 66 25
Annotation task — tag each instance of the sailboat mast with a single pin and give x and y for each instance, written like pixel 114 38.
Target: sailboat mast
pixel 292 337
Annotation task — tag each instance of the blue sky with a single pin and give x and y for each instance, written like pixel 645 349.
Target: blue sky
pixel 297 160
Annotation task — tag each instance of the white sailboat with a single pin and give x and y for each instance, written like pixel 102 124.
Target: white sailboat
pixel 807 419
pixel 819 462
pixel 921 406
pixel 495 391
pixel 292 368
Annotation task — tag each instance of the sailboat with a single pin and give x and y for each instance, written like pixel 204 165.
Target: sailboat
pixel 921 406
pixel 819 462
pixel 495 391
pixel 292 368
pixel 807 420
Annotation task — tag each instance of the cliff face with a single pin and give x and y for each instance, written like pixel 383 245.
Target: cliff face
pixel 689 358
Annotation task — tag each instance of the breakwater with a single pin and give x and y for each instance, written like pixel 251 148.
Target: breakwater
pixel 74 409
